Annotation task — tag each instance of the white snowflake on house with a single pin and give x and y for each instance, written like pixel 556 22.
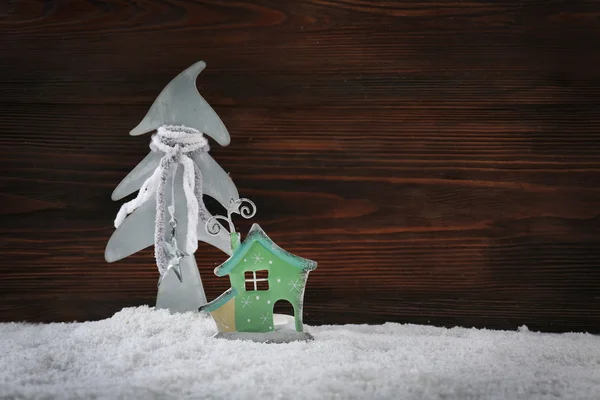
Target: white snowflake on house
pixel 264 318
pixel 297 285
pixel 257 258
pixel 221 323
pixel 246 302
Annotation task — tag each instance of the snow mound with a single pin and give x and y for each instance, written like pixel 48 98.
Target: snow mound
pixel 142 353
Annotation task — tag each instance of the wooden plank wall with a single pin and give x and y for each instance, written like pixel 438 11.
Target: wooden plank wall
pixel 440 160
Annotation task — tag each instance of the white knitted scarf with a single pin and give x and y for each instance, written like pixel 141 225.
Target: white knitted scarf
pixel 176 142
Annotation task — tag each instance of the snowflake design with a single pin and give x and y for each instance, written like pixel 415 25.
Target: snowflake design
pixel 295 285
pixel 246 302
pixel 257 258
pixel 264 318
pixel 221 323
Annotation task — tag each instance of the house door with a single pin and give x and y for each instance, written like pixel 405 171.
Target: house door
pixel 283 315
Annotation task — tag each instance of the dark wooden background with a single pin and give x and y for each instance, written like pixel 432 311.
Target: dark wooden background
pixel 440 160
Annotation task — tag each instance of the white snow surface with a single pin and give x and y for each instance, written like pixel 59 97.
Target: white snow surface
pixel 143 353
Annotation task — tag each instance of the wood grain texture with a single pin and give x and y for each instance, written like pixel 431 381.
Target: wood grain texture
pixel 440 160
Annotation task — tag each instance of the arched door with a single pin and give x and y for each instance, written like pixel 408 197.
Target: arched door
pixel 284 315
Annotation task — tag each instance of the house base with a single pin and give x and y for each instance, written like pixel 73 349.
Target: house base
pixel 281 336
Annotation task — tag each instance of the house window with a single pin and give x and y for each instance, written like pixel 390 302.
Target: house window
pixel 257 280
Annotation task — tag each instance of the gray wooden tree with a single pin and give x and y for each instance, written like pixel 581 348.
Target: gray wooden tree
pixel 178 110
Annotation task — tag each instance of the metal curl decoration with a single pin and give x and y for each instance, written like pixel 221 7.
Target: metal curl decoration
pixel 247 211
pixel 212 225
pixel 244 207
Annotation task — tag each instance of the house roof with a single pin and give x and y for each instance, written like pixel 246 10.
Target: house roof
pixel 256 234
pixel 219 301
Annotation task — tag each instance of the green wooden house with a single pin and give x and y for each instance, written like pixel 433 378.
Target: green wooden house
pixel 261 274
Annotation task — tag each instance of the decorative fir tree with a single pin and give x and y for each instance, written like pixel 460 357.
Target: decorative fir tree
pixel 169 211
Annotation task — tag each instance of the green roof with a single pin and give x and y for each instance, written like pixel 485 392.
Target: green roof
pixel 219 301
pixel 256 234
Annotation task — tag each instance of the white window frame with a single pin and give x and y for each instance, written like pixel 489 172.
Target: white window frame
pixel 255 279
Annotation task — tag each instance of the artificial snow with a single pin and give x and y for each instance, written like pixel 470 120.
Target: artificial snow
pixel 142 353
